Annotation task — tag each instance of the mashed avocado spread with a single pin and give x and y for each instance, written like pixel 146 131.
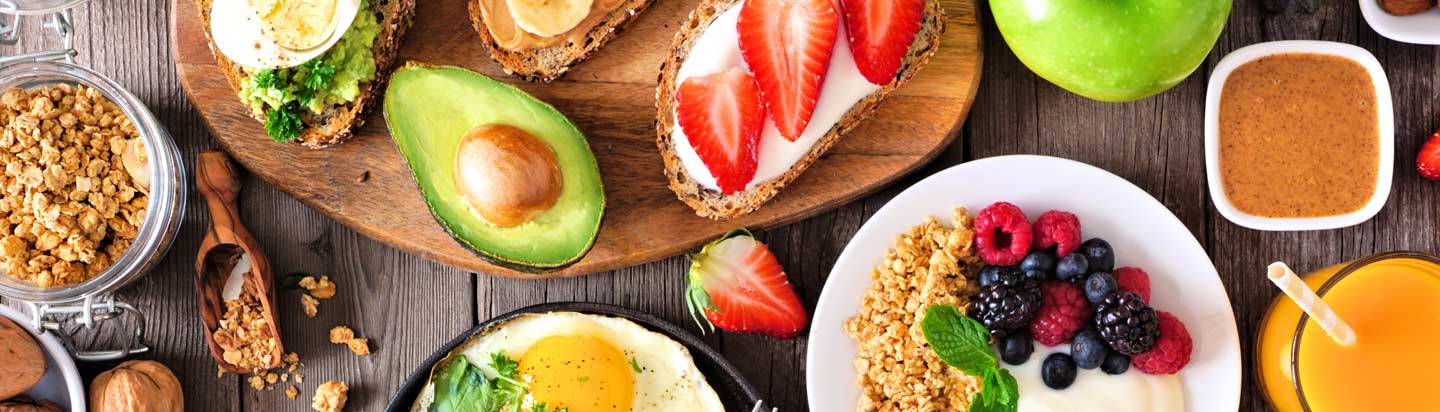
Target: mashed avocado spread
pixel 332 79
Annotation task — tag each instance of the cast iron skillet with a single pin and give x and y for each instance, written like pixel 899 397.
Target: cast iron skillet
pixel 734 391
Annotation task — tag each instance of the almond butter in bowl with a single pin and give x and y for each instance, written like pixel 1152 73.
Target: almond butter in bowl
pixel 897 371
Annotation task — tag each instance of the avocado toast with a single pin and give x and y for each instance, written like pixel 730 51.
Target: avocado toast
pixel 321 102
pixel 508 176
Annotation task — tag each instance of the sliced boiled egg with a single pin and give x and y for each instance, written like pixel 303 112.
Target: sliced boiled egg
pixel 276 34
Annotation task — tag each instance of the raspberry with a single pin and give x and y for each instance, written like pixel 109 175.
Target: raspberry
pixel 1057 228
pixel 1133 279
pixel 1002 234
pixel 1171 351
pixel 1063 311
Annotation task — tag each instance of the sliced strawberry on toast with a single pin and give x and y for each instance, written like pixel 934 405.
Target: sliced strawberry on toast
pixel 787 44
pixel 737 284
pixel 1428 162
pixel 721 115
pixel 881 33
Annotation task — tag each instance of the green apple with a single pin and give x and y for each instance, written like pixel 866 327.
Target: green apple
pixel 1111 50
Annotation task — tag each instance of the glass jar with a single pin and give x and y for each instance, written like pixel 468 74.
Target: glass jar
pixel 92 301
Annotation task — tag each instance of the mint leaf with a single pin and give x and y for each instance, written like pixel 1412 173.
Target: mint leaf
pixel 958 340
pixel 999 392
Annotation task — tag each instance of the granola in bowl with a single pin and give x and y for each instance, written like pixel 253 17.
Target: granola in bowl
pixel 930 264
pixel 68 206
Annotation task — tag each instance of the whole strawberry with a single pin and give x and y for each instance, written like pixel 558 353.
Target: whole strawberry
pixel 737 284
pixel 1428 162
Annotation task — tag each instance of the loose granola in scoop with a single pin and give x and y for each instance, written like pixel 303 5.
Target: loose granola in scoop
pixel 930 264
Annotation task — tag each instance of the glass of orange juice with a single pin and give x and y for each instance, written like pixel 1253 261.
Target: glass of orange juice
pixel 1392 300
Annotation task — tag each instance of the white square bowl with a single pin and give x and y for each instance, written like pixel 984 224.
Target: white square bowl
pixel 1423 28
pixel 1384 110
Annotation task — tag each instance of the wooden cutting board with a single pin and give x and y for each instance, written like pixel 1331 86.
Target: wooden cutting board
pixel 612 99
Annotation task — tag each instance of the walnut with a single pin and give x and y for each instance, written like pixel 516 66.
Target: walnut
pixel 23 359
pixel 24 403
pixel 330 397
pixel 137 386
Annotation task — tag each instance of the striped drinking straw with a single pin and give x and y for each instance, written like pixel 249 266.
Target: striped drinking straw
pixel 1301 294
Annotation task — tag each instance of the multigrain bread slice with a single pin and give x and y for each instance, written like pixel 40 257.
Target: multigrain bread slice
pixel 550 63
pixel 337 123
pixel 711 203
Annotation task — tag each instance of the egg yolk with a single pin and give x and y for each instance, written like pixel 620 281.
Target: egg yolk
pixel 582 373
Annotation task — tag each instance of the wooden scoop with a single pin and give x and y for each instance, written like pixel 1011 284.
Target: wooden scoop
pixel 227 240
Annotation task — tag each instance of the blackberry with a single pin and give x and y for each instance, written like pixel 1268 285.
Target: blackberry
pixel 1126 323
pixel 1007 304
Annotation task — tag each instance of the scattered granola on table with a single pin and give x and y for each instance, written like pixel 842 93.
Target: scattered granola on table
pixel 315 289
pixel 68 207
pixel 344 335
pixel 930 264
pixel 330 397
pixel 292 392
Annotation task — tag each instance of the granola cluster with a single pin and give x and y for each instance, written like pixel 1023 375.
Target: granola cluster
pixel 343 335
pixel 330 397
pixel 897 370
pixel 315 289
pixel 68 208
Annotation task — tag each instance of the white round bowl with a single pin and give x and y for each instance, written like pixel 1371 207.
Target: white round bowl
pixel 1384 110
pixel 1423 28
pixel 61 383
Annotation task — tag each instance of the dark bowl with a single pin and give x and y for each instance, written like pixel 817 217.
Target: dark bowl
pixel 734 391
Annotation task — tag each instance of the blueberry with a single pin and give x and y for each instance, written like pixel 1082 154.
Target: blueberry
pixel 1115 363
pixel 1088 349
pixel 1072 267
pixel 1058 371
pixel 1097 250
pixel 988 274
pixel 1015 348
pixel 1039 260
pixel 1037 275
pixel 1098 285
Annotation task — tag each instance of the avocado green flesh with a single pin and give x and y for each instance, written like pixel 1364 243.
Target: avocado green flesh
pixel 429 109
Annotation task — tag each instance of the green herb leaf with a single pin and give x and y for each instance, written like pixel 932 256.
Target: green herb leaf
pixel 635 365
pixel 958 340
pixel 267 78
pixel 283 124
pixel 319 76
pixel 460 387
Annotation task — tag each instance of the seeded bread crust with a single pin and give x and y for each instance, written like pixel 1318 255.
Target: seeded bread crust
pixel 550 63
pixel 711 203
pixel 338 123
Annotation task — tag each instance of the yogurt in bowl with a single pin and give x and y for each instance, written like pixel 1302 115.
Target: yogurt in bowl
pixel 1095 390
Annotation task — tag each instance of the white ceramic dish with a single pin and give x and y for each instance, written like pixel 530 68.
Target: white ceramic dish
pixel 1384 109
pixel 61 383
pixel 1142 231
pixel 1423 28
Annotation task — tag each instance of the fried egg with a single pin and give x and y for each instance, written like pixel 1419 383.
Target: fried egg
pixel 276 34
pixel 592 363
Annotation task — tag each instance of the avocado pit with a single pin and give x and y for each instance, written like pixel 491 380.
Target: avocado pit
pixel 506 175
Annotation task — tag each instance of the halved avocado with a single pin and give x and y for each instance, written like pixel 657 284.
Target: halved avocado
pixel 431 110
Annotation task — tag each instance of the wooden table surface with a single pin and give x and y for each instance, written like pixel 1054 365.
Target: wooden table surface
pixel 408 306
